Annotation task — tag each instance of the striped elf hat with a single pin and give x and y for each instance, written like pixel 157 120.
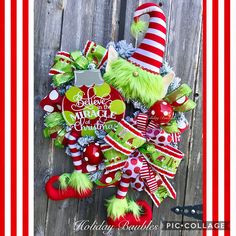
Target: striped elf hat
pixel 149 55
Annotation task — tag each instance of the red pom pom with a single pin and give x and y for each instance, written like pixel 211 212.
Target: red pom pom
pixel 93 154
pixel 162 112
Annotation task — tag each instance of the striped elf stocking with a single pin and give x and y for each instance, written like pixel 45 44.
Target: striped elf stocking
pixel 75 185
pixel 119 209
pixel 123 187
pixel 79 180
pixel 118 205
pixel 75 153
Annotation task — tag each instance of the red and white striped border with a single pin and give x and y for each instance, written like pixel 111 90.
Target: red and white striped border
pixel 219 128
pixel 217 101
pixel 2 118
pixel 18 99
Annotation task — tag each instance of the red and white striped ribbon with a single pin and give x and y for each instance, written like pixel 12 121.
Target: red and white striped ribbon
pixel 17 136
pixel 148 175
pixel 152 125
pixel 176 137
pixel 141 122
pixel 170 190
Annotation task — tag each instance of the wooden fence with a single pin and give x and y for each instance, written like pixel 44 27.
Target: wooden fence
pixel 67 25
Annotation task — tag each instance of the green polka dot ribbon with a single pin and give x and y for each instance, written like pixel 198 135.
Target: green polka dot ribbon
pixel 179 99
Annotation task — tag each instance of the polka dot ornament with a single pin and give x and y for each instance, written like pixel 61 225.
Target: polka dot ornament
pixel 158 136
pixel 162 112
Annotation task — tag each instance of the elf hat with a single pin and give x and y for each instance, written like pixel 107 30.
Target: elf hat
pixel 149 55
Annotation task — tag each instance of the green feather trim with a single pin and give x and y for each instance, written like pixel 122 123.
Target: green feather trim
pixel 80 181
pixel 145 87
pixel 139 27
pixel 116 207
pixel 135 209
pixel 64 180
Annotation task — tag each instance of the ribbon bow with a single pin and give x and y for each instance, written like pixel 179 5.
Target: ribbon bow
pixel 66 63
pixel 55 129
pixel 157 186
pixel 158 159
pixel 138 171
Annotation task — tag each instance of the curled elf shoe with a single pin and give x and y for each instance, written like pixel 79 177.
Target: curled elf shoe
pixel 75 185
pixel 121 213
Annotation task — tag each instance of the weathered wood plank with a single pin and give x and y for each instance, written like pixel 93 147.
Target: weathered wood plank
pixel 193 191
pixel 47 31
pixel 90 20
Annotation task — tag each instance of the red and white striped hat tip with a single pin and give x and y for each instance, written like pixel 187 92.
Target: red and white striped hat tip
pixel 149 54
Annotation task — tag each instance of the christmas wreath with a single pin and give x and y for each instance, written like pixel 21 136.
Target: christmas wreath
pixel 85 113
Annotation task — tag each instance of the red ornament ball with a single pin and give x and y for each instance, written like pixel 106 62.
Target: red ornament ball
pixel 162 112
pixel 93 154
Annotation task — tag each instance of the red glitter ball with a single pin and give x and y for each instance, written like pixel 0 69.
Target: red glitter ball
pixel 93 153
pixel 162 112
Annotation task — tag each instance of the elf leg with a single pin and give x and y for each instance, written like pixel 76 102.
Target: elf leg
pixel 121 210
pixel 79 180
pixel 117 206
pixel 75 185
pixel 65 190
